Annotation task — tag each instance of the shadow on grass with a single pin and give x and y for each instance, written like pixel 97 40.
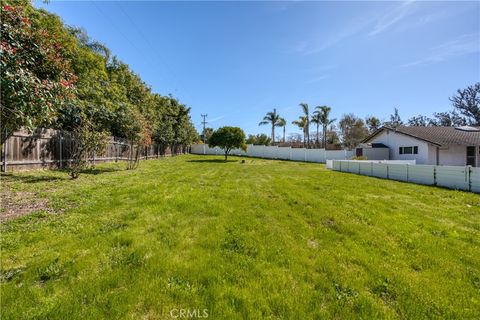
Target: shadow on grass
pixel 96 171
pixel 212 161
pixel 45 178
pixel 30 179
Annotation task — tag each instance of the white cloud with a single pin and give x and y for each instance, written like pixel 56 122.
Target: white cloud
pixel 319 78
pixel 392 17
pixel 466 44
pixel 215 119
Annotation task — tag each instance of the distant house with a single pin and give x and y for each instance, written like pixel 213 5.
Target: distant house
pixel 454 146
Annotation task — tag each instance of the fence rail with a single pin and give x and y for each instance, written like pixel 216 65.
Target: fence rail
pixel 453 177
pixel 281 153
pixel 49 148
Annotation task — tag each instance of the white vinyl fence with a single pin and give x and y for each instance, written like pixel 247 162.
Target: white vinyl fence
pixel 454 177
pixel 282 153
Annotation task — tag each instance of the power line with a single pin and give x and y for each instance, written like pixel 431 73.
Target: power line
pixel 152 48
pixel 112 23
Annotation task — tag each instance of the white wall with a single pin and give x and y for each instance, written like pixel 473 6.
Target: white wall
pixel 453 156
pixel 284 153
pixel 453 177
pixel 395 140
pixel 377 153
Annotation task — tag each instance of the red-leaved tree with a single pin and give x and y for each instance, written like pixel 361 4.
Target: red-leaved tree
pixel 35 75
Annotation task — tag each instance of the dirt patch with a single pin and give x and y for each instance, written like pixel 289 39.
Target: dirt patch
pixel 17 204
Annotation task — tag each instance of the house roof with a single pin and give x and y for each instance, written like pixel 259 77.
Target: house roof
pixel 441 136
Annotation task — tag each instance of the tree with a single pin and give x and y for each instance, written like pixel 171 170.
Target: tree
pixel 273 119
pixel 467 103
pixel 353 130
pixel 395 119
pixel 206 133
pixel 418 121
pixel 86 141
pixel 332 136
pixel 302 124
pixel 55 75
pixel 373 124
pixel 324 116
pixel 228 138
pixel 259 139
pixel 306 113
pixel 283 124
pixel 36 77
pixel 316 119
pixel 447 119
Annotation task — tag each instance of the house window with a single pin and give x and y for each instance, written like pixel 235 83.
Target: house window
pixel 408 150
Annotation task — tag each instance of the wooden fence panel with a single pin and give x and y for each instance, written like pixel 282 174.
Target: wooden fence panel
pixel 49 148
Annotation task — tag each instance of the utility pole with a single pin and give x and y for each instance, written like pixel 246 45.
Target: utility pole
pixel 204 122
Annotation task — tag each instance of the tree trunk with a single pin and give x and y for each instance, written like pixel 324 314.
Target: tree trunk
pixel 308 135
pixel 325 137
pixel 283 134
pixel 273 134
pixel 318 138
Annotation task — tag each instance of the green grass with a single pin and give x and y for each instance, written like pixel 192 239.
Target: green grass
pixel 262 239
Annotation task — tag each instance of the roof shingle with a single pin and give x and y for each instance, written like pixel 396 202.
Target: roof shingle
pixel 442 136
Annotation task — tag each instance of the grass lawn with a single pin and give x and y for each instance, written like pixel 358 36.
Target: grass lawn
pixel 262 239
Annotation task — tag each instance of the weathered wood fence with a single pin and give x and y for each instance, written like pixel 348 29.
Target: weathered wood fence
pixel 49 148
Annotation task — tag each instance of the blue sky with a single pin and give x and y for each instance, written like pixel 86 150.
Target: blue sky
pixel 236 61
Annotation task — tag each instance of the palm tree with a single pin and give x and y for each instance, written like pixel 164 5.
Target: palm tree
pixel 316 119
pixel 271 118
pixel 324 115
pixel 282 123
pixel 302 124
pixel 306 113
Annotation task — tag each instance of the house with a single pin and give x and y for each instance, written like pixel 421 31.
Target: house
pixel 453 146
pixel 373 151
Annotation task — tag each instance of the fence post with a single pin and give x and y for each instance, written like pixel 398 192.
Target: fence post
pixel 116 149
pixel 469 173
pixel 5 149
pixel 60 147
pixel 388 173
pixel 407 173
pixel 434 175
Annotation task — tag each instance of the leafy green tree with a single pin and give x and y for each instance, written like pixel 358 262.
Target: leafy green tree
pixel 353 130
pixel 206 134
pixel 467 103
pixel 447 119
pixel 259 139
pixel 373 123
pixel 418 121
pixel 273 119
pixel 86 141
pixel 395 119
pixel 55 75
pixel 228 138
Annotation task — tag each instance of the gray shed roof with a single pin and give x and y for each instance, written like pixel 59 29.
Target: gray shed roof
pixel 441 136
